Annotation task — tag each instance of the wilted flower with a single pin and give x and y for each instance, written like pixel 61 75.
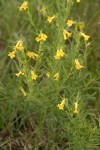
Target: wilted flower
pixel 81 25
pixel 43 10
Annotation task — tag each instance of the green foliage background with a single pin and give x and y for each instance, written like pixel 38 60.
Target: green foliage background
pixel 38 124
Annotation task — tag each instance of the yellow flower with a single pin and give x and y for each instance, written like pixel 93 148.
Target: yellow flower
pixel 41 37
pixel 33 75
pixel 19 73
pixel 24 6
pixel 59 54
pixel 23 91
pixel 66 34
pixel 48 74
pixel 50 19
pixel 70 23
pixel 98 22
pixel 61 105
pixel 19 46
pixel 86 37
pixel 81 25
pixel 43 10
pixel 11 54
pixel 56 76
pixel 77 65
pixel 32 55
pixel 76 108
pixel 78 1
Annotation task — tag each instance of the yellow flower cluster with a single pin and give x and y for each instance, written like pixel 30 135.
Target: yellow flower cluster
pixel 60 53
pixel 33 75
pixel 61 105
pixel 19 46
pixel 41 37
pixel 55 77
pixel 24 6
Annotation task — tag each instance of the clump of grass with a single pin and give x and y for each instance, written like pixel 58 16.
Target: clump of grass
pixel 51 91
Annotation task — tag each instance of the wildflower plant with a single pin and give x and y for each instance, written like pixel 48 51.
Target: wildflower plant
pixel 52 75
